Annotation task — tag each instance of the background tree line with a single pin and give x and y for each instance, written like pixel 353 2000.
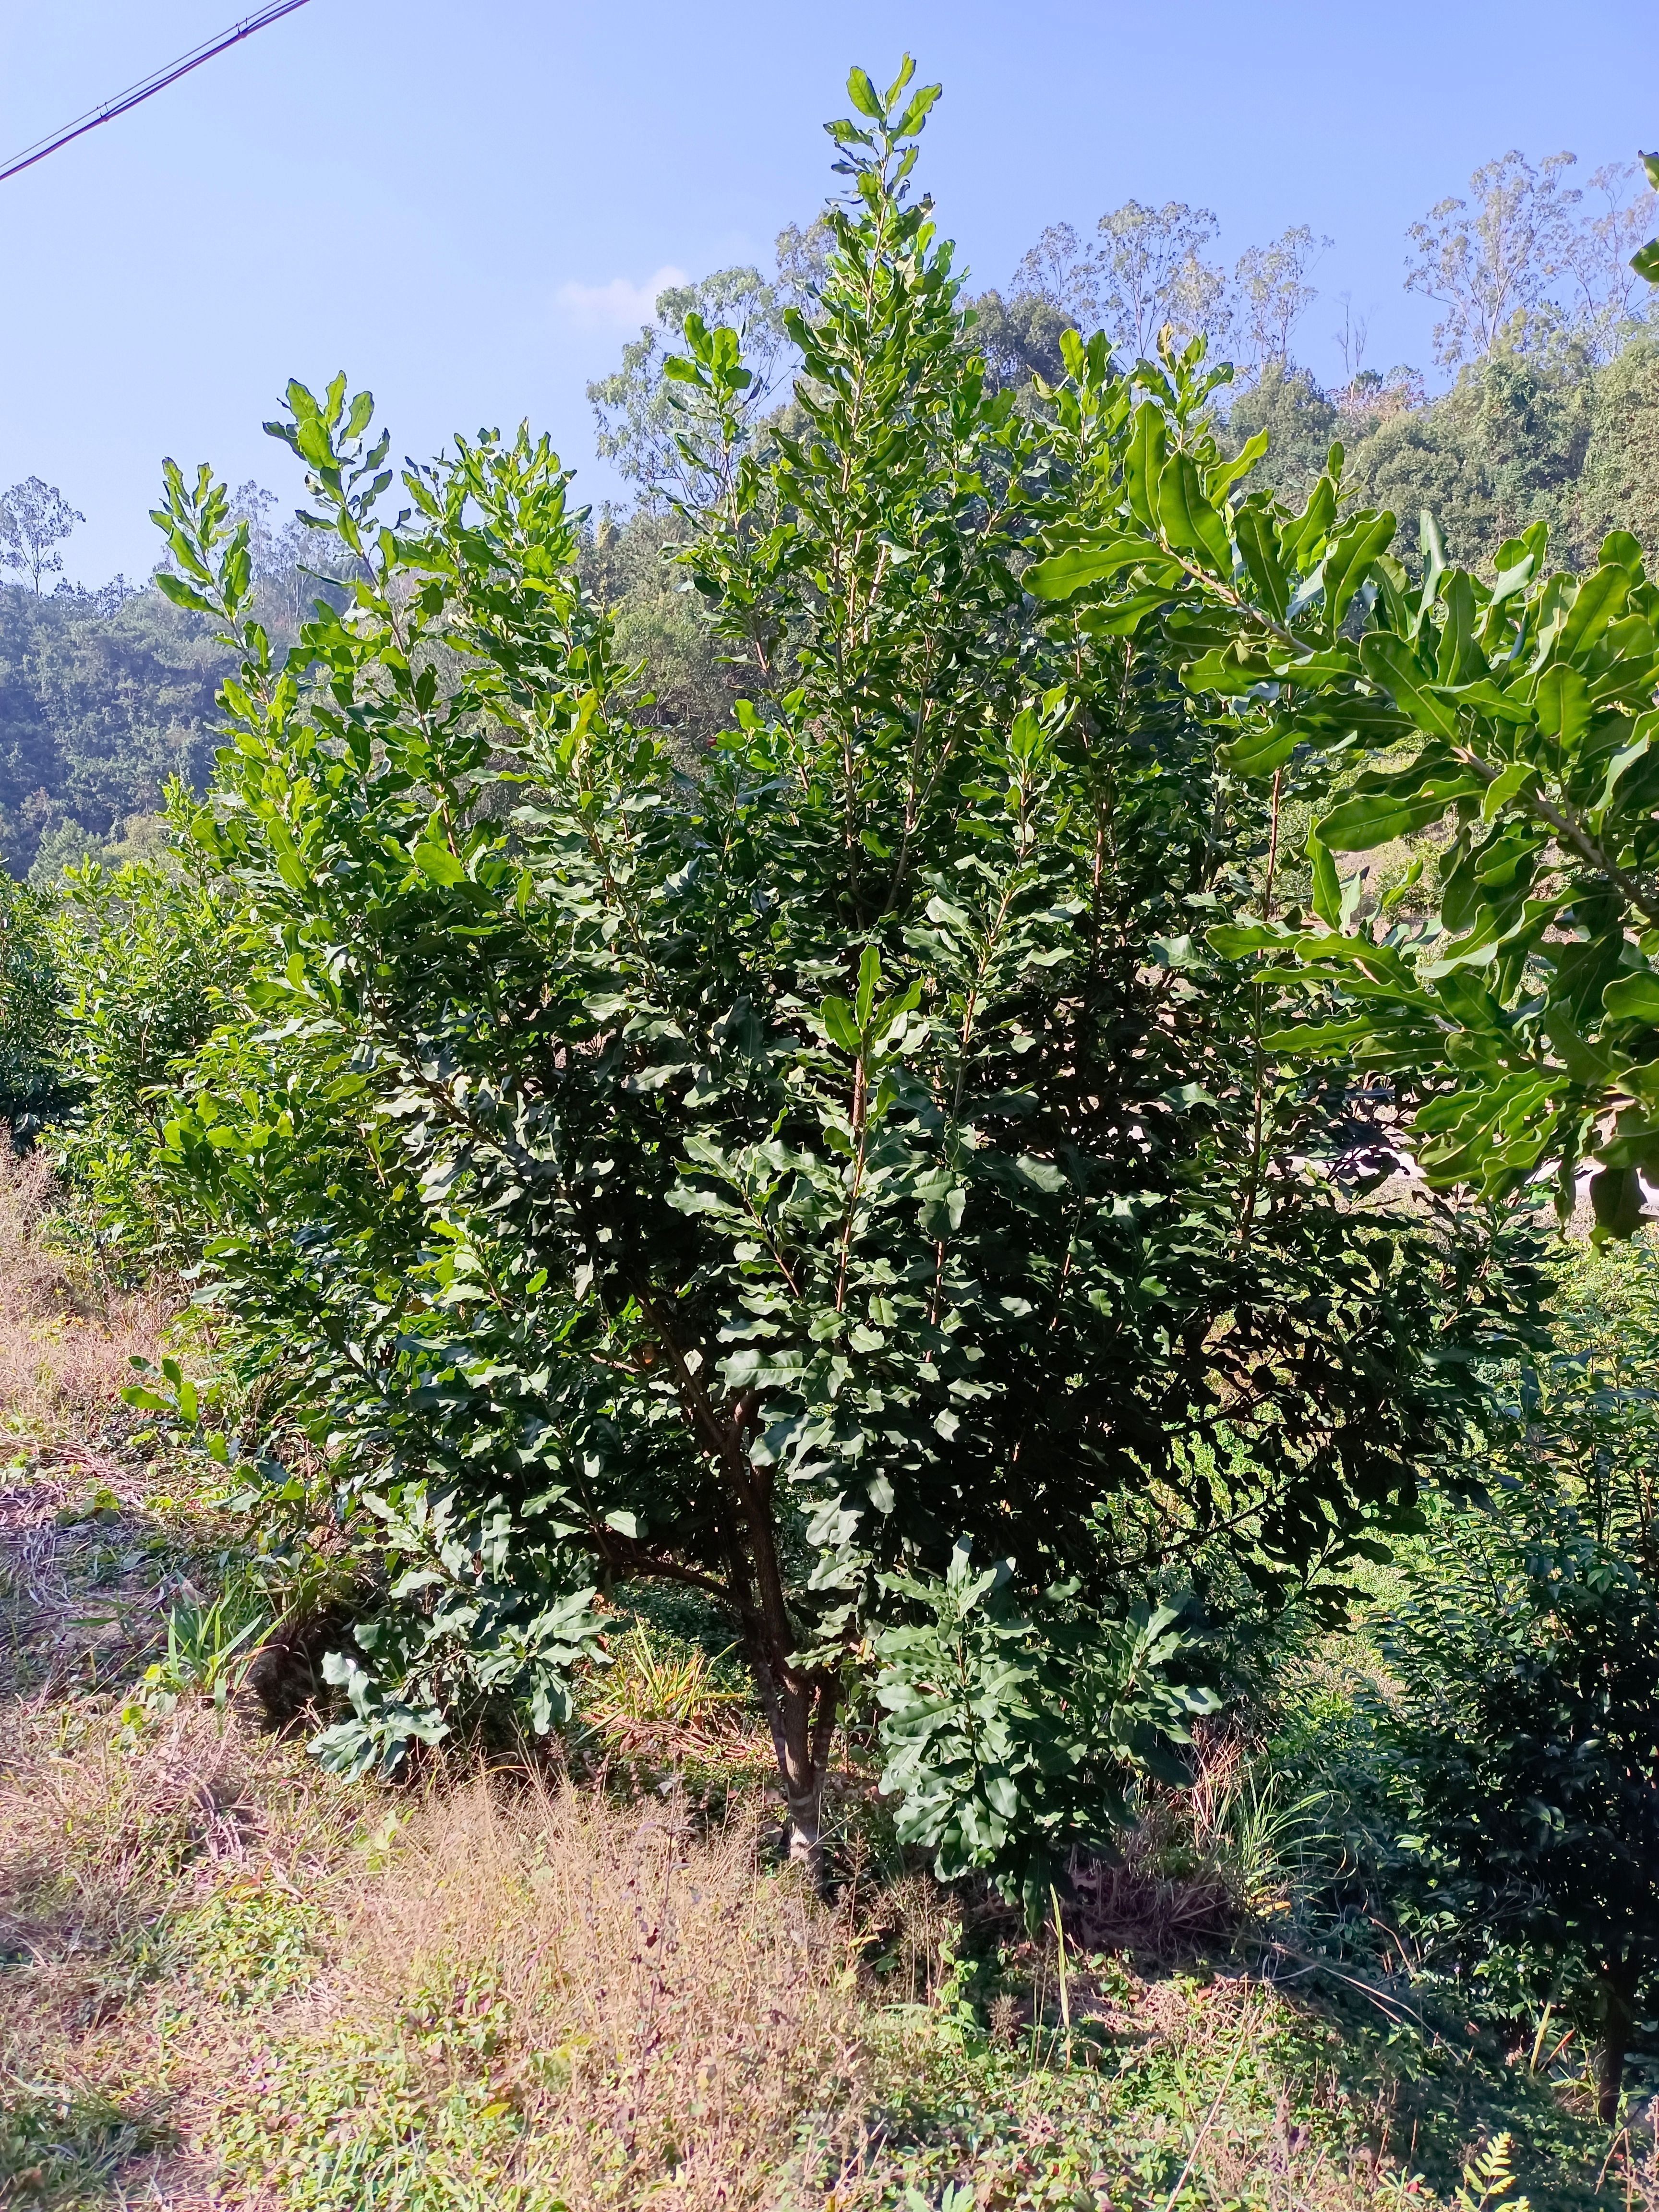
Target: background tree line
pixel 106 694
pixel 1553 414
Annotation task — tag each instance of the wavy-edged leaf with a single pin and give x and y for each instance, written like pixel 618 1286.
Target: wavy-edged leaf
pixel 1261 751
pixel 1186 518
pixel 1258 541
pixel 1327 884
pixel 1359 823
pixel 838 1018
pixel 1062 574
pixel 1633 998
pixel 1349 561
pixel 1599 598
pixel 1143 461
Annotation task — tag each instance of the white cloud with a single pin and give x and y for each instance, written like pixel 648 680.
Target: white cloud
pixel 617 306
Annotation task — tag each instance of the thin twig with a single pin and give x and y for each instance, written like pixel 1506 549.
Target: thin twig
pixel 1209 2120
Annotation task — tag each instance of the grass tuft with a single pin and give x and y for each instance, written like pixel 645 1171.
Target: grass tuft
pixel 59 2148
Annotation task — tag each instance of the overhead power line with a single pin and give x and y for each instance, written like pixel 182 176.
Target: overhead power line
pixel 158 82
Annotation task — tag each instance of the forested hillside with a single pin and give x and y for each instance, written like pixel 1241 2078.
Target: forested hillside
pixel 108 695
pixel 100 705
pixel 1554 436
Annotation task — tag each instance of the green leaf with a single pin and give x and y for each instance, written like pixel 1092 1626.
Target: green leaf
pixel 175 589
pixel 1063 574
pixel 1188 520
pixel 1327 884
pixel 440 864
pixel 1349 562
pixel 862 94
pixel 869 984
pixel 837 1015
pixel 1221 478
pixel 1233 940
pixel 1143 462
pixel 1598 599
pixel 1390 662
pixel 1564 707
pixel 1584 1063
pixel 1645 729
pixel 1509 581
pixel 1505 787
pixel 1622 549
pixel 1303 536
pixel 1633 998
pixel 1312 1040
pixel 1123 617
pixel 1489 699
pixel 1359 823
pixel 1258 541
pixel 1231 669
pixel 1434 558
pixel 1261 751
pixel 916 113
pixel 1619 1201
pixel 1043 1174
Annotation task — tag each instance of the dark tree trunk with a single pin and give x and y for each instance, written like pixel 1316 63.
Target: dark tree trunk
pixel 801 1703
pixel 802 1709
pixel 1618 1980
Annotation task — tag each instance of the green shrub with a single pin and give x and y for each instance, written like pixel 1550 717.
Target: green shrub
pixel 31 1083
pixel 149 966
pixel 1527 1717
pixel 774 1181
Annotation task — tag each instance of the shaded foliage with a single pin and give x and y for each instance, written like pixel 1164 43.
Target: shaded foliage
pixel 1527 1720
pixel 31 1082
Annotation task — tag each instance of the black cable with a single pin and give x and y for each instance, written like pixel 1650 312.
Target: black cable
pixel 157 82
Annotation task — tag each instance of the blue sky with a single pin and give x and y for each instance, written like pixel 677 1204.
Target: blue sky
pixel 466 206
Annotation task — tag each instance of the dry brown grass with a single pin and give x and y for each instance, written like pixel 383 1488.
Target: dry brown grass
pixel 238 1985
pixel 125 1865
pixel 67 1337
pixel 646 2010
pixel 104 1840
pixel 81 1584
pixel 515 1992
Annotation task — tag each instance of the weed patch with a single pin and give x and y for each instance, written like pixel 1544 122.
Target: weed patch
pixel 59 2147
